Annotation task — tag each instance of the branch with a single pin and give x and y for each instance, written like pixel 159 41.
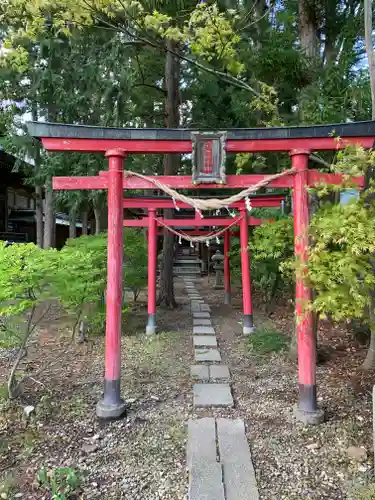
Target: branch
pixel 11 390
pixel 319 160
pixel 164 92
pixel 232 80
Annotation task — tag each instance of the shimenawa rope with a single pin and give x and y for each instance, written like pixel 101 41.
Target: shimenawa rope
pixel 212 203
pixel 207 204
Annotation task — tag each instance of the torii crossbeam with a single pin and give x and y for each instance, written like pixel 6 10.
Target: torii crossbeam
pixel 116 143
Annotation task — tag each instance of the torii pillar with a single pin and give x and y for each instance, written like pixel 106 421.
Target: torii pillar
pixel 112 406
pixel 227 287
pixel 248 323
pixel 307 410
pixel 152 265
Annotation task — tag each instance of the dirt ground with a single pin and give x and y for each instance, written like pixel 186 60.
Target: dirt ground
pixel 143 455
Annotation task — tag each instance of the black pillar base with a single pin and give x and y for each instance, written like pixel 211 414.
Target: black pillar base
pixel 307 411
pixel 227 298
pixel 151 325
pixel 111 407
pixel 248 324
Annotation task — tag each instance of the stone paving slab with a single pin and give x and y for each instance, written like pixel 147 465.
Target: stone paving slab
pixel 203 330
pixel 201 440
pixel 205 341
pixel 206 482
pixel 200 372
pixel 195 307
pixel 200 314
pixel 198 301
pixel 212 395
pixel 202 322
pixel 203 355
pixel 205 308
pixel 219 372
pixel 235 457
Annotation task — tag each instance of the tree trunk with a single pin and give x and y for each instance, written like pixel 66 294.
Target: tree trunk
pixel 38 190
pixel 293 348
pixel 97 220
pixel 49 223
pixel 39 215
pixel 370 50
pixel 308 29
pixel 72 224
pixel 369 362
pixel 85 222
pixel 171 164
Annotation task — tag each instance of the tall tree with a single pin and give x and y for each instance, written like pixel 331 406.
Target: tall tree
pixel 171 165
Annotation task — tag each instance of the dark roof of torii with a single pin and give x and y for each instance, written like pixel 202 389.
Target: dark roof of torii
pixel 56 130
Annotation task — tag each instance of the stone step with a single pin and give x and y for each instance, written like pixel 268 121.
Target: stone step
pixel 206 482
pixel 205 355
pixel 200 314
pixel 235 457
pixel 201 441
pixel 187 271
pixel 219 372
pixel 187 262
pixel 203 330
pixel 200 372
pixel 205 373
pixel 219 448
pixel 200 307
pixel 202 322
pixel 204 341
pixel 212 396
pixel 205 473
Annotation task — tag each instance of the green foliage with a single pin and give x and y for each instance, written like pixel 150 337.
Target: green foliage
pixel 24 276
pixel 62 483
pixel 271 245
pixel 265 341
pixel 340 268
pixel 80 279
pixel 135 260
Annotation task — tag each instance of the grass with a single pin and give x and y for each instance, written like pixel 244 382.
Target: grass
pixel 154 353
pixel 365 493
pixel 265 341
pixel 8 486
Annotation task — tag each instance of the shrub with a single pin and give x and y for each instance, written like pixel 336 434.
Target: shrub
pixel 340 267
pixel 63 483
pixel 25 283
pixel 81 278
pixel 271 246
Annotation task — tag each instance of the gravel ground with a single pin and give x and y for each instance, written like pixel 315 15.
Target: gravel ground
pixel 293 461
pixel 141 457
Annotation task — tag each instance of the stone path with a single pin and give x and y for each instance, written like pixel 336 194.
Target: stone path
pixel 218 455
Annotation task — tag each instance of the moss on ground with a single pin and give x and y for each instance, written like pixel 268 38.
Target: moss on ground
pixel 265 341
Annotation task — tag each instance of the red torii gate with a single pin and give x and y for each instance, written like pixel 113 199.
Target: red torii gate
pixel 152 221
pixel 299 142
